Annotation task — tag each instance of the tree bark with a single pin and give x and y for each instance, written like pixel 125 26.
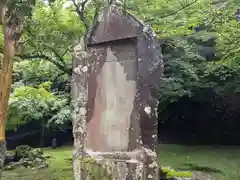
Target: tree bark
pixel 11 38
pixel 41 142
pixel 6 77
pixel 2 155
pixel 5 88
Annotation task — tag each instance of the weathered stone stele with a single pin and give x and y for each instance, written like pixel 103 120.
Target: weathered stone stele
pixel 115 97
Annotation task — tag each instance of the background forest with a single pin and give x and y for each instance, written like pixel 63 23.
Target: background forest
pixel 199 94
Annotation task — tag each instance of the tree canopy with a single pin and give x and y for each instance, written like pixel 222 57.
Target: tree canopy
pixel 200 44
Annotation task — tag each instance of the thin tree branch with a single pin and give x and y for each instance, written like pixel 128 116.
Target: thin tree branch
pixel 174 12
pixel 42 56
pixel 94 21
pixel 65 52
pixel 58 76
pixel 59 57
pixel 80 11
pixel 61 64
pixel 180 9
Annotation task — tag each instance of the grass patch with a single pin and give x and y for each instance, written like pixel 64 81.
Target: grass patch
pixel 59 168
pixel 195 167
pixel 222 162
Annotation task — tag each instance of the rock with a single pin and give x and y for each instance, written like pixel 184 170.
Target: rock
pixel 68 160
pixel 47 156
pixel 36 153
pixel 9 158
pixel 22 151
pixel 27 157
pixel 7 168
pixel 202 176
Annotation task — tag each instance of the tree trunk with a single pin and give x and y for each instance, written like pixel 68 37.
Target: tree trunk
pixel 6 77
pixel 2 125
pixel 11 39
pixel 2 155
pixel 5 88
pixel 2 143
pixel 41 143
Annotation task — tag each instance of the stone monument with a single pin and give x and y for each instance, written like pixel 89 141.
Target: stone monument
pixel 114 89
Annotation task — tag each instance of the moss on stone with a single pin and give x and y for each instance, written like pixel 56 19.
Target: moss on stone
pixel 170 173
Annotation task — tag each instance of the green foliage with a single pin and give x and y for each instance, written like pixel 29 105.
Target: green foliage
pixel 182 66
pixel 30 103
pixel 199 38
pixel 227 27
pixel 19 8
pixel 207 59
pixel 171 17
pixel 50 35
pixel 36 72
pixel 60 119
